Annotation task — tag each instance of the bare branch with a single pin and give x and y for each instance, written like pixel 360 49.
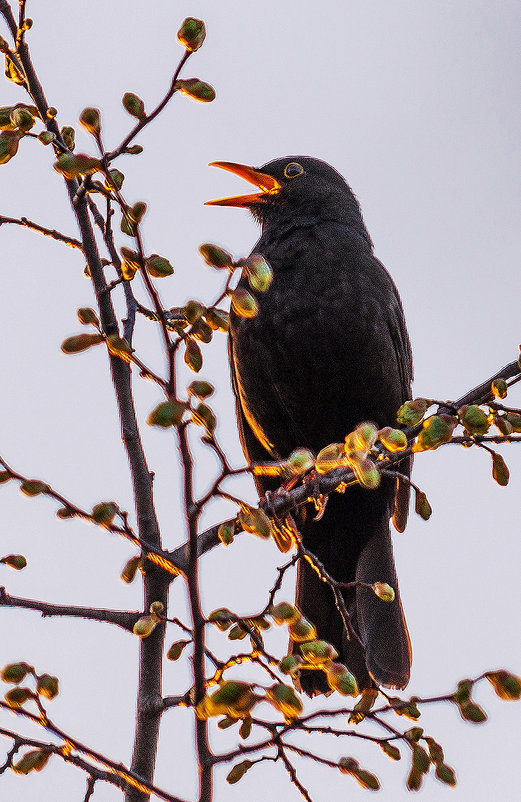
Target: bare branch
pixel 48 232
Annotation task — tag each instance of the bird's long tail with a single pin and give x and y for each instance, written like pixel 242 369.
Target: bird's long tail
pixel 353 542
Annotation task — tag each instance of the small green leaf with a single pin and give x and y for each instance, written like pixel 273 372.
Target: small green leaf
pixel 8 145
pixel 47 686
pixel 16 561
pixel 255 521
pixel 215 256
pixel 169 413
pixel 201 389
pixel 390 750
pixel 80 342
pixel 130 569
pixel 412 412
pixel 15 672
pixel 90 119
pixel 176 649
pixel 33 487
pixel 436 430
pixel 104 513
pixel 284 698
pixel 217 319
pixel 35 760
pixel 506 685
pixel 340 679
pixel 384 591
pixel 134 105
pixel 445 774
pixel 243 303
pixel 474 419
pixel 500 471
pixel 87 316
pixel 72 165
pixel 238 771
pixel 191 34
pixel 422 506
pixel 196 89
pixel 17 697
pixel 158 266
pixel 193 356
pixel 202 415
pixel 225 534
pixel 68 135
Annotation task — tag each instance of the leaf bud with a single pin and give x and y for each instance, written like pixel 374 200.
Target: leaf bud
pixel 22 118
pixel 72 165
pixel 119 347
pixel 284 698
pixel 5 118
pixel 104 513
pixel 87 316
pixel 68 135
pixel 243 303
pixel 15 672
pixel 16 561
pixel 158 266
pixel 46 137
pixel 47 686
pixel 215 256
pixel 300 461
pixel 390 750
pixel 384 591
pixel 422 506
pixel 134 150
pixel 284 613
pixel 80 342
pixel 192 34
pixel 222 618
pixel 412 412
pixel 134 105
pixel 340 679
pixel 238 771
pixel 8 145
pixel 506 685
pixel 35 760
pixel 500 471
pixel 196 89
pixel 318 652
pixel 200 389
pixel 364 436
pixel 33 487
pixel 392 439
pixel 130 569
pixel 514 418
pixel 258 272
pixel 302 630
pixel 255 521
pixel 17 697
pixel 290 664
pixel 90 119
pixel 330 457
pixel 145 625
pixel 225 534
pixel 474 419
pixel 366 472
pixel 193 356
pixel 156 608
pixel 52 111
pixel 217 319
pixel 176 649
pixel 499 388
pixel 436 430
pixel 169 413
pixel 445 774
pixel 116 180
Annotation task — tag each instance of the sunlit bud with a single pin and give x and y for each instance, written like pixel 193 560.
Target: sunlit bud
pixel 22 118
pixel 145 626
pixel 499 388
pixel 506 685
pixel 474 419
pixel 232 698
pixel 201 389
pixel 65 512
pixel 515 421
pixel 255 521
pixel 302 630
pixel 11 69
pixel 52 111
pixel 134 105
pixel 193 311
pixel 258 271
pixel 301 460
pixel 340 679
pixel 366 472
pixel 16 697
pixel 169 413
pixel 243 303
pixel 87 316
pixel 445 774
pixel 284 613
pixel 500 471
pixel 196 89
pixel 15 672
pixel 504 426
pixel 156 608
pixel 226 722
pixel 16 561
pixel 202 331
pixel 69 136
pixel 116 180
pixel 47 686
pixel 158 266
pixel 215 256
pixel 35 760
pixel 202 415
pixel 392 439
pixel 176 649
pixel 225 534
pixel 217 319
pixel 463 691
pixel 364 436
pixel 71 165
pixel 237 632
pixel 8 145
pixel 80 342
pixel 238 771
pixel 33 487
pixel 119 347
pixel 5 476
pixel 192 34
pixel 46 137
pixel 472 712
pixel 436 430
pixel 347 765
pixel 330 457
pixel 317 652
pixel 412 412
pixel 104 513
pixel 407 709
pixel 130 569
pixel 245 728
pixel 435 750
pixel 90 119
pixel 422 506
pixel 290 664
pixel 384 591
pixel 414 734
pixel 284 698
pixel 136 212
pixel 390 750
pixel 130 264
pixel 222 618
pixel 134 150
pixel 366 780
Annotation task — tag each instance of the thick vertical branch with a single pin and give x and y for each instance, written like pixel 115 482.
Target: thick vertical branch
pixel 156 582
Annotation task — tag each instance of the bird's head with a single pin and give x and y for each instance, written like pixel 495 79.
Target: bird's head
pixel 293 189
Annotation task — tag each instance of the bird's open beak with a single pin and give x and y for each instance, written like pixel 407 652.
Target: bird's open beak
pixel 266 183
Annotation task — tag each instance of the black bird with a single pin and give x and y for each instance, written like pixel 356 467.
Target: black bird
pixel 327 350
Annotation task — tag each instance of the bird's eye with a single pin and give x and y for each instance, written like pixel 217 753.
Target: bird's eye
pixel 293 169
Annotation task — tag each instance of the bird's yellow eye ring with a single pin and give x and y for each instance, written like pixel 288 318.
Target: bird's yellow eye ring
pixel 293 169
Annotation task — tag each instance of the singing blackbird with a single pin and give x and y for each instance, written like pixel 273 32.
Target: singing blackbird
pixel 327 350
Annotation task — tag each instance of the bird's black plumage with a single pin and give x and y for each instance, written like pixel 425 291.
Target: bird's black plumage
pixel 327 350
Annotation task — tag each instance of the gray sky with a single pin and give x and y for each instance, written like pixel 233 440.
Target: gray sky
pixel 417 104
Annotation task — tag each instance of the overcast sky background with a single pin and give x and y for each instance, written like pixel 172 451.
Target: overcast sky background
pixel 418 105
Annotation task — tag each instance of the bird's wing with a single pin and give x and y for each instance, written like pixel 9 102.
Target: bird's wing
pixel 402 349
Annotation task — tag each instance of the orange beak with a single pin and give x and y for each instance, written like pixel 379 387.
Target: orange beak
pixel 266 183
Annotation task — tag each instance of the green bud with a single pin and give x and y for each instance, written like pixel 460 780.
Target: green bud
pixel 225 534
pixel 8 145
pixel 69 136
pixel 22 118
pixel 217 319
pixel 46 137
pixel 391 751
pixel 445 774
pixel 169 413
pixel 302 630
pixel 119 347
pixel 330 457
pixel 472 712
pixel 500 471
pixel 284 698
pixel 65 512
pixel 222 618
pixel 366 779
pixel 130 569
pixel 340 679
pixel 504 425
pixel 158 266
pixel 290 664
pixel 506 685
pixel 15 672
pixel 366 472
pixel 202 415
pixel 196 89
pixel 191 34
pixel 284 613
pixel 301 461
pixel 193 311
pixel 72 165
pixel 499 388
pixel 232 698
pixel 414 734
pixel 12 73
pixel 258 271
pixel 422 506
pixel 215 256
pixel 145 625
pixel 90 119
pixel 104 513
pixel 134 150
pixel 80 342
pixel 5 118
pixel 52 112
pixel 33 487
pixel 414 780
pixel 474 419
pixel 16 561
pixel 134 105
pixel 255 521
pixel 364 437
pixel 243 303
pixel 202 331
pixel 35 760
pixel 436 430
pixel 392 439
pixel 193 356
pixel 412 412
pixel 17 697
pixel 514 418
pixel 156 608
pixel 318 652
pixel 87 316
pixel 200 389
pixel 384 591
pixel 47 686
pixel 116 180
pixel 245 729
